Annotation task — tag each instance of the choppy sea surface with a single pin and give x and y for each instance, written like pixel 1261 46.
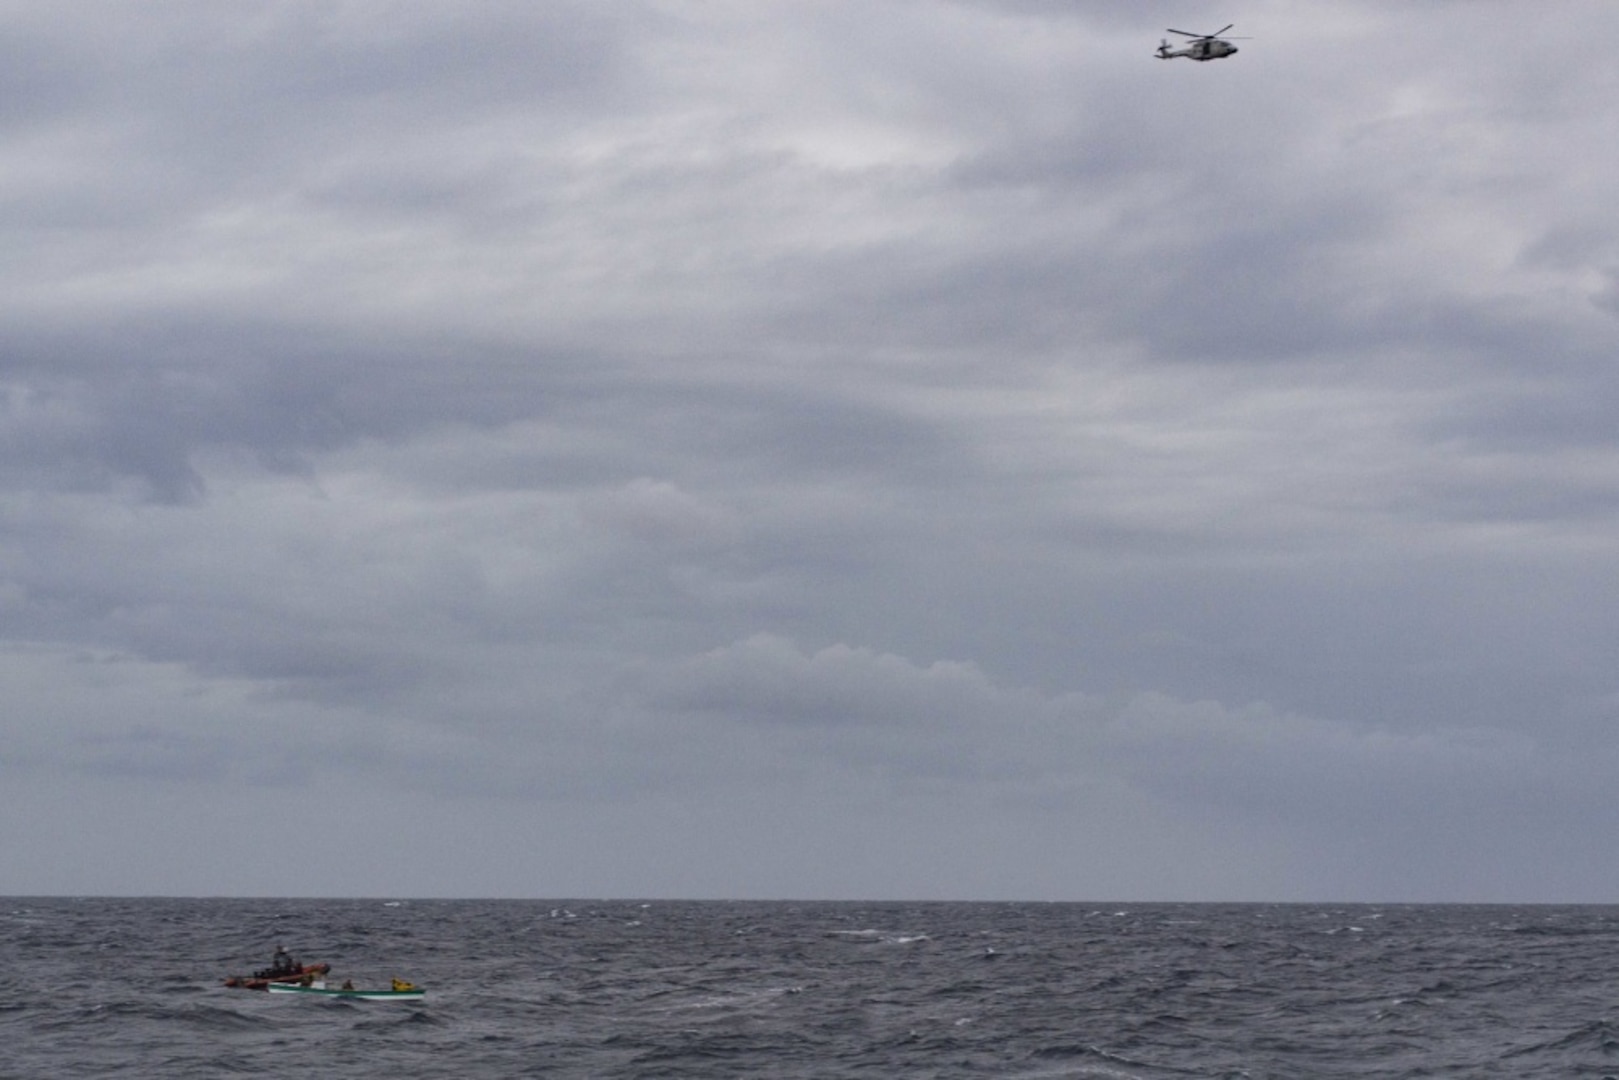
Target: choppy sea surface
pixel 102 987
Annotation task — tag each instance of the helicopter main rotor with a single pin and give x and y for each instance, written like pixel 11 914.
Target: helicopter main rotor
pixel 1208 37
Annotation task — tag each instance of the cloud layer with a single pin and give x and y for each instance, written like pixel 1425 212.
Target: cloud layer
pixel 808 450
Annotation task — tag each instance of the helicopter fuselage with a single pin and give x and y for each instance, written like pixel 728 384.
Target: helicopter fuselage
pixel 1204 49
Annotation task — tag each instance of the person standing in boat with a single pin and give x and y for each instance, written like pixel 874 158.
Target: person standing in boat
pixel 283 963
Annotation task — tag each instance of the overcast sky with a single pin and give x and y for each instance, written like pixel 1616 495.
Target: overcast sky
pixel 813 449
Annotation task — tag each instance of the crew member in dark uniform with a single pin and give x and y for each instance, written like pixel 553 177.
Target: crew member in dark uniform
pixel 283 963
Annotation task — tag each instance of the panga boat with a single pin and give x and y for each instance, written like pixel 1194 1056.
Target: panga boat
pixel 400 991
pixel 263 980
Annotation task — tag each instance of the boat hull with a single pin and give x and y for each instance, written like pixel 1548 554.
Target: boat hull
pixel 305 974
pixel 415 994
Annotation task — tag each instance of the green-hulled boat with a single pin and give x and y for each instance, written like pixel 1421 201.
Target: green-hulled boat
pixel 400 991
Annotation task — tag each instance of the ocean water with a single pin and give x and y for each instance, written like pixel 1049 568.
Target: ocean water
pixel 123 987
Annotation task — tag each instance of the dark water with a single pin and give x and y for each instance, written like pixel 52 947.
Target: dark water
pixel 669 989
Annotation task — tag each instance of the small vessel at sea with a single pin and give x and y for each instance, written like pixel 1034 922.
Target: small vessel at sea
pixel 399 991
pixel 302 975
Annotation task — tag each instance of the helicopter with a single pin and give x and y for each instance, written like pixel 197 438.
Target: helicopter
pixel 1201 47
